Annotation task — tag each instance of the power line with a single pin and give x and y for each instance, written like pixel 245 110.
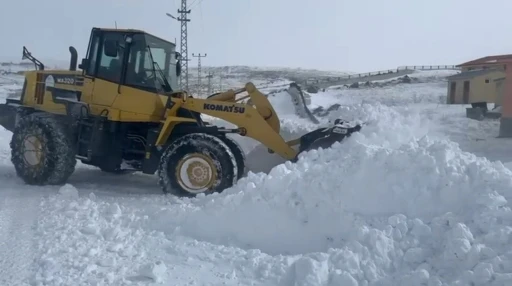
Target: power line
pixel 195 3
pixel 201 15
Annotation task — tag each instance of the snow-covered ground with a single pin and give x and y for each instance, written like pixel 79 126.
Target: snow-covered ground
pixel 403 202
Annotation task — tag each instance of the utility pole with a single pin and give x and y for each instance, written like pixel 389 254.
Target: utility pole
pixel 199 70
pixel 184 49
pixel 209 76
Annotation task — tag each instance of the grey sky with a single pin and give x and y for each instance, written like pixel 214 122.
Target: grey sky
pixel 356 35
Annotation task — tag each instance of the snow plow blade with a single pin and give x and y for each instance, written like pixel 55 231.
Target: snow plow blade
pixel 7 116
pixel 326 137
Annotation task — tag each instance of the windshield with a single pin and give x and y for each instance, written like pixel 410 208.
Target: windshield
pixel 164 55
pixel 163 82
pixel 141 71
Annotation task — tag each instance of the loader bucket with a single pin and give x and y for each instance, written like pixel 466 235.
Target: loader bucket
pixel 325 137
pixel 7 116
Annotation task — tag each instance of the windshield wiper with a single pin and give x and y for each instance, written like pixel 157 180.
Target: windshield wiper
pixel 155 65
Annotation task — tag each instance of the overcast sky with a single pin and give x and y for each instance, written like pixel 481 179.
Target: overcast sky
pixel 345 35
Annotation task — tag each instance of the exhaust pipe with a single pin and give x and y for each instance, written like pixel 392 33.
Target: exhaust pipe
pixel 74 58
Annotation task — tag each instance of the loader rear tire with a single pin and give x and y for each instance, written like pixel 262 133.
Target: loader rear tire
pixel 239 154
pixel 52 160
pixel 197 163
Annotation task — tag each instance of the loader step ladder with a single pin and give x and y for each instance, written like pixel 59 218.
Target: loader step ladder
pixel 88 132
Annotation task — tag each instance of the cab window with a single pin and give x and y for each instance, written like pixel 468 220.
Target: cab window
pixel 110 68
pixel 139 72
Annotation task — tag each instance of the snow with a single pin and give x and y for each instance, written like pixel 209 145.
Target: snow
pixel 434 73
pixel 416 198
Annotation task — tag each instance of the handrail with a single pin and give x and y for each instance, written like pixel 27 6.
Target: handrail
pixel 381 72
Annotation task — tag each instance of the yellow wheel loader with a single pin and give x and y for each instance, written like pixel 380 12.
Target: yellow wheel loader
pixel 123 107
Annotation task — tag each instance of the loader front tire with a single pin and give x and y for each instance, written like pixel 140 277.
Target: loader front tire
pixel 41 150
pixel 197 163
pixel 238 153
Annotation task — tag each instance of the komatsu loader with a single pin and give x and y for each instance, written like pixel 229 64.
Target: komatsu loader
pixel 123 107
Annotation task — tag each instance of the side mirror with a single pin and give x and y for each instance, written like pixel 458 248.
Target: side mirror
pixel 84 64
pixel 178 68
pixel 110 48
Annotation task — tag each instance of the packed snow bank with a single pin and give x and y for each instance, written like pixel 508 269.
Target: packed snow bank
pixel 391 205
pixel 379 209
pixel 422 213
pixel 434 73
pixel 388 206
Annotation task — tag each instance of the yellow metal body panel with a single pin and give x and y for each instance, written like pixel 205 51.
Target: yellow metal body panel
pixel 38 95
pixel 125 104
pixel 251 120
pixel 257 120
pixel 130 105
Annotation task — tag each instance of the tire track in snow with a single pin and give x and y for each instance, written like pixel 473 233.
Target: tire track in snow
pixel 18 219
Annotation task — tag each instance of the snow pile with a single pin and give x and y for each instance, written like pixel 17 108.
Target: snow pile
pixel 381 207
pixel 373 214
pixel 395 204
pixel 68 191
pixel 434 73
pixel 359 213
pixel 96 241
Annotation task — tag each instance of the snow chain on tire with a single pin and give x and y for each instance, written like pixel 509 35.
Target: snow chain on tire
pixel 208 158
pixel 238 153
pixel 57 158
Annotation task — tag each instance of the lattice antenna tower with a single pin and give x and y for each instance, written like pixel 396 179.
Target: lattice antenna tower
pixel 199 70
pixel 184 49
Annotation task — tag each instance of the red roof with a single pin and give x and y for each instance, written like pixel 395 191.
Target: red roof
pixel 489 60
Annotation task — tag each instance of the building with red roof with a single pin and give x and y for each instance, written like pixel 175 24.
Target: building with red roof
pixel 477 82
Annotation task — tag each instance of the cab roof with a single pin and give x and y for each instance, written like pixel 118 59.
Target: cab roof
pixel 120 30
pixel 130 31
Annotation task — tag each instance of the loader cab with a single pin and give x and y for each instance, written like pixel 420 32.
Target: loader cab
pixel 132 58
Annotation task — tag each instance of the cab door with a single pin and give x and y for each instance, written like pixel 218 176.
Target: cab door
pixel 89 66
pixel 109 72
pixel 103 74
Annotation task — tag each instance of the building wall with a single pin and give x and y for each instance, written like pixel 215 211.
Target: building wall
pixel 458 92
pixel 499 91
pixel 481 88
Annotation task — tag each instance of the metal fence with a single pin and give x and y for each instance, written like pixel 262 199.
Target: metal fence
pixel 401 69
pixel 425 68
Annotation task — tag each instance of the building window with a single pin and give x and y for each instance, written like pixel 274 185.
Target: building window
pixel 487 81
